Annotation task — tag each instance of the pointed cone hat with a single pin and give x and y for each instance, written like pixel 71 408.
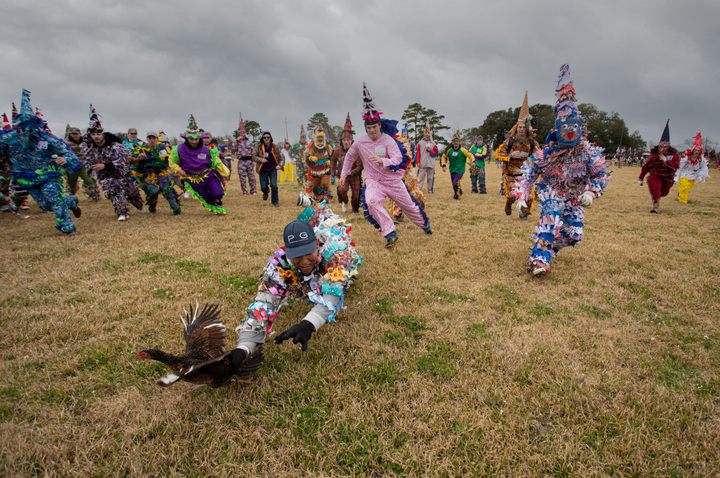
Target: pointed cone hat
pixel 524 110
pixel 698 142
pixel 565 101
pixel 241 127
pixel 370 113
pixel 665 138
pixel 303 136
pixel 26 116
pixel 192 130
pixel 5 123
pixel 94 122
pixel 348 124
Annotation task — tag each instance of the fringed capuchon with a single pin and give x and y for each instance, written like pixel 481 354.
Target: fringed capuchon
pixel 210 207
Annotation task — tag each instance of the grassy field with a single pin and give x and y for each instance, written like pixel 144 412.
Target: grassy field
pixel 449 359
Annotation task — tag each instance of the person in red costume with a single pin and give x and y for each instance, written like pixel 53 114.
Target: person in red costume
pixel 660 169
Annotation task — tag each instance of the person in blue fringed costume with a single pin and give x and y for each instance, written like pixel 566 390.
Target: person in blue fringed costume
pixel 39 163
pixel 572 173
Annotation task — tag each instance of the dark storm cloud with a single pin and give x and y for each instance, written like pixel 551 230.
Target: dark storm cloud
pixel 149 64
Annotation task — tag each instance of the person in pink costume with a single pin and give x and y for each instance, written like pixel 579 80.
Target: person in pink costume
pixel 383 163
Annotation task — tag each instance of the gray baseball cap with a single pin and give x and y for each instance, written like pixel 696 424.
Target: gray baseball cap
pixel 299 239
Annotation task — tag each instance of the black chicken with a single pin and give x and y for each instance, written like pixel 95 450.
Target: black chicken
pixel 204 362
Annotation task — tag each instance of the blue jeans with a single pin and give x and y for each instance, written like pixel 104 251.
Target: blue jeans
pixel 269 177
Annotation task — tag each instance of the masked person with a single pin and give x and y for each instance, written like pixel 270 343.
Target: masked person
pixel 567 175
pixel 693 168
pixel 660 168
pixel 39 162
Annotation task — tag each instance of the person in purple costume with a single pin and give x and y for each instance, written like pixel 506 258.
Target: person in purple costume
pixel 200 169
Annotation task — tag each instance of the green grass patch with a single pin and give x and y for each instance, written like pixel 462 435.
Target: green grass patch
pixel 240 283
pixel 440 361
pixel 447 296
pixel 165 294
pixel 674 372
pixel 478 331
pixel 383 307
pixel 380 375
pixel 413 326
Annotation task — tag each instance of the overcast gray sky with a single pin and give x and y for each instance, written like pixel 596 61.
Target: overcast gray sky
pixel 148 64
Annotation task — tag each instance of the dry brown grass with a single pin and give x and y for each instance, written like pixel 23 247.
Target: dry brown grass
pixel 449 360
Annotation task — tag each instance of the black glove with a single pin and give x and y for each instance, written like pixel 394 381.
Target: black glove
pixel 300 333
pixel 237 357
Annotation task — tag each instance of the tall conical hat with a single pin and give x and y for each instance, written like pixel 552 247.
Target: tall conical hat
pixel 524 110
pixel 5 122
pixel 303 136
pixel 192 130
pixel 94 122
pixel 26 116
pixel 565 101
pixel 698 142
pixel 405 130
pixel 370 113
pixel 14 112
pixel 348 125
pixel 241 127
pixel 665 138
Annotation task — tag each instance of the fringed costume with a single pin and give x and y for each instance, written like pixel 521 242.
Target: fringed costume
pixel 513 152
pixel 337 264
pixel 317 167
pixel 201 169
pixel 660 168
pixel 571 173
pixel 39 162
pixel 693 168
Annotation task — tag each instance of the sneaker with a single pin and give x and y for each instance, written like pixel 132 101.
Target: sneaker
pixel 143 210
pixel 428 230
pixel 152 208
pixel 122 217
pixel 77 211
pixel 265 195
pixel 176 212
pixel 186 195
pixel 391 239
pixel 538 269
pixel 343 206
pixel 522 215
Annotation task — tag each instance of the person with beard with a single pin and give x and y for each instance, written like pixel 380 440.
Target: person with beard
pixel 318 166
pixel 354 179
pixel 660 168
pixel 74 139
pixel 513 152
pixel 152 172
pixel 693 168
pixel 569 175
pixel 108 158
pixel 200 168
pixel 269 161
pixel 458 157
pixel 39 162
pixel 384 165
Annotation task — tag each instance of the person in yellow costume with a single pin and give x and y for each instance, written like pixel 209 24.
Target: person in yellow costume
pixel 458 157
pixel 513 152
pixel 693 168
